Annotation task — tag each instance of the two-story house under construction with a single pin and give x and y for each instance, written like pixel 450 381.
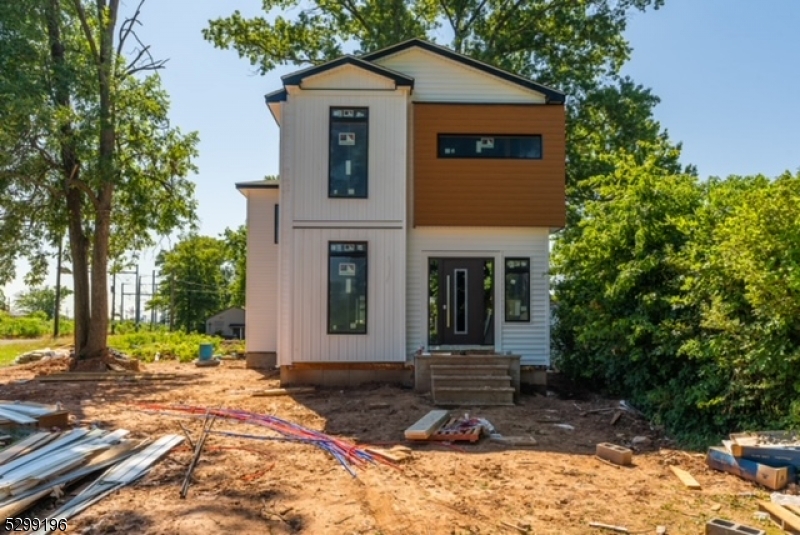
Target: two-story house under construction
pixel 418 189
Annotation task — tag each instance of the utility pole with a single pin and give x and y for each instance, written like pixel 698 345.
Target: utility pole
pixel 138 296
pixel 122 304
pixel 171 303
pixel 152 307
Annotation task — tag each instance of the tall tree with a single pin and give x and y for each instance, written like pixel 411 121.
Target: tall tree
pixel 236 251
pixel 86 149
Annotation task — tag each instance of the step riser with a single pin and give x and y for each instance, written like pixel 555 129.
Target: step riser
pixel 469 370
pixel 493 381
pixel 468 360
pixel 473 398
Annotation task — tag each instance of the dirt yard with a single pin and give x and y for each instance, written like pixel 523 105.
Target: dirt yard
pixel 247 486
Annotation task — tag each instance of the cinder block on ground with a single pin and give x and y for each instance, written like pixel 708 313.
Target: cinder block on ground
pixel 615 454
pixel 718 526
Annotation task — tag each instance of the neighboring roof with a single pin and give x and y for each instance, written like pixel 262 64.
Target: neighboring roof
pixel 259 184
pixel 399 79
pixel 553 96
pixel 223 312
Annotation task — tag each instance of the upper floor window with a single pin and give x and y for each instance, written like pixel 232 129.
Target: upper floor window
pixel 527 147
pixel 347 164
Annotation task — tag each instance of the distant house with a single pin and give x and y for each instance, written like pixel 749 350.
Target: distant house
pixel 418 190
pixel 228 323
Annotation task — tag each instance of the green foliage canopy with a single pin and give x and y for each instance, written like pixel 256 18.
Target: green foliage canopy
pixel 42 299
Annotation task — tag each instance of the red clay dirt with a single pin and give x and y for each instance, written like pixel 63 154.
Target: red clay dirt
pixel 247 486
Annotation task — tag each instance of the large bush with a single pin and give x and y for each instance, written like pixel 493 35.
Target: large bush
pixel 685 297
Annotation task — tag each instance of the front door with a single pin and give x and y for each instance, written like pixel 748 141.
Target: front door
pixel 463 310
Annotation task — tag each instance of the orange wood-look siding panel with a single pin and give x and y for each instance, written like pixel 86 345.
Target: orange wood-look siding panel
pixel 491 192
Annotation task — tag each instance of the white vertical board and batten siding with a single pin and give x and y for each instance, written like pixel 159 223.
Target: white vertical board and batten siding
pixel 438 79
pixel 310 220
pixel 261 313
pixel 529 340
pixel 386 259
pixel 386 161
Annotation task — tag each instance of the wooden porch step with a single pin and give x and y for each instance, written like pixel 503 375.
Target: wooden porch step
pixel 471 369
pixel 473 395
pixel 438 381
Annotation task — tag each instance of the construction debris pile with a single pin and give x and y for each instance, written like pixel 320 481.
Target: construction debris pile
pixel 43 354
pixel 349 455
pixel 770 458
pixel 45 464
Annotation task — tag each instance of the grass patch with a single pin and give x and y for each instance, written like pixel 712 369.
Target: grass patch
pixel 10 351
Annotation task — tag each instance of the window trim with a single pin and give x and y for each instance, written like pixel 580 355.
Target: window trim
pixel 276 222
pixel 366 287
pixel 506 260
pixel 331 109
pixel 441 156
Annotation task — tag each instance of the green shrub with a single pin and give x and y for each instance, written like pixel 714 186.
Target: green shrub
pixel 145 345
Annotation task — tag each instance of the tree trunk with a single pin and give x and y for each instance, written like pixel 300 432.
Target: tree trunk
pixel 70 169
pixel 98 329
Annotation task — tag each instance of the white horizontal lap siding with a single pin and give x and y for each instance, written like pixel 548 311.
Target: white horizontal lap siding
pixel 261 298
pixel 529 340
pixel 385 338
pixel 348 77
pixel 440 79
pixel 387 128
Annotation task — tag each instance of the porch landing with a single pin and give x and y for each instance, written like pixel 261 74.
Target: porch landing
pixel 468 379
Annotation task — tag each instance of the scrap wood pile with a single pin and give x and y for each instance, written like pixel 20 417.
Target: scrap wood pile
pixel 45 464
pixel 349 455
pixel 439 425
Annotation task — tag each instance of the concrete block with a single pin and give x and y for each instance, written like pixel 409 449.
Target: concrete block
pixel 615 454
pixel 718 526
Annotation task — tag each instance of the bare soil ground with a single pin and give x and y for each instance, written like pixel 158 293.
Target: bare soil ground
pixel 241 486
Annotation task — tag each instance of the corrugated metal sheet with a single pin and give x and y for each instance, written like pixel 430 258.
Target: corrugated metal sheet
pixel 384 341
pixel 348 77
pixel 387 156
pixel 438 79
pixel 530 340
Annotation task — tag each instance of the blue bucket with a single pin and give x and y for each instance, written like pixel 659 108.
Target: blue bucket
pixel 206 351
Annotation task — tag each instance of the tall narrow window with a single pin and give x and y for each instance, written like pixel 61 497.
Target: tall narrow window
pixel 347 164
pixel 347 288
pixel 518 289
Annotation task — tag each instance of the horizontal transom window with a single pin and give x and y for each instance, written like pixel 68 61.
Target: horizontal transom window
pixel 524 147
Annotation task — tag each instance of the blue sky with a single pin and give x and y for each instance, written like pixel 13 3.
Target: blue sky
pixel 727 73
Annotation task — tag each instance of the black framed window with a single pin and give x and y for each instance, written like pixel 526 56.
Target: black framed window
pixel 348 157
pixel 527 147
pixel 347 288
pixel 518 289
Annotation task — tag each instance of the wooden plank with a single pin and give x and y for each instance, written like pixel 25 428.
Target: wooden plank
pixel 285 391
pixel 686 478
pixel 425 426
pixel 795 509
pixel 395 454
pixel 110 376
pixel 781 516
pixel 58 419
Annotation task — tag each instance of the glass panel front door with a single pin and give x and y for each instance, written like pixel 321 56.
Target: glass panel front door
pixel 460 301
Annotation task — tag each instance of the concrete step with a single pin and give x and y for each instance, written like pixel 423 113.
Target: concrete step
pixel 470 380
pixel 472 369
pixel 474 396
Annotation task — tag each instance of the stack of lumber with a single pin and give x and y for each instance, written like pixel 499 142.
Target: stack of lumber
pixel 438 425
pixel 17 413
pixel 111 376
pixel 45 464
pixel 769 458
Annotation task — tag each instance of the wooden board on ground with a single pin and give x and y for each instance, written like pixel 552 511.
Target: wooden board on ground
pixel 58 419
pixel 395 454
pixel 686 478
pixel 781 516
pixel 109 376
pixel 425 426
pixel 285 391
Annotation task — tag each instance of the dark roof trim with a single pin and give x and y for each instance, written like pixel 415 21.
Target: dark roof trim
pixel 552 96
pixel 398 78
pixel 276 96
pixel 259 184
